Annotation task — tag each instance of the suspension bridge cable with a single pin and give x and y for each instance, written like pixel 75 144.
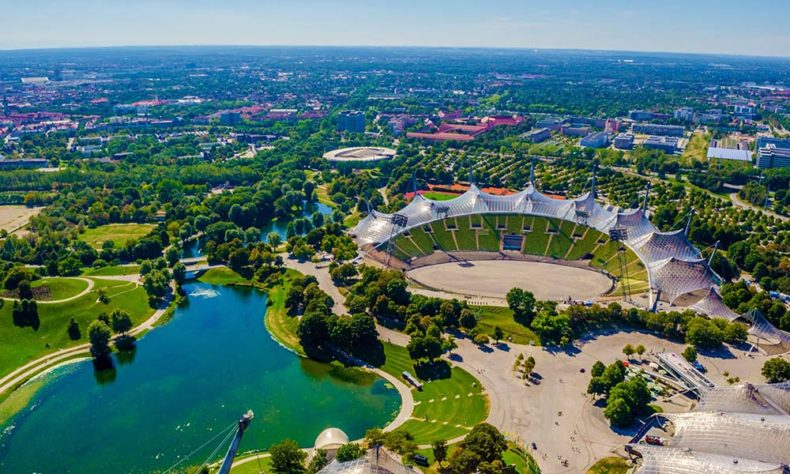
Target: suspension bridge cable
pixel 221 443
pixel 232 425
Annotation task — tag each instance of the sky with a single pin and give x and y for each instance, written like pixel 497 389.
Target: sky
pixel 744 27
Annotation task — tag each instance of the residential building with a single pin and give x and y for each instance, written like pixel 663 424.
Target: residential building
pixel 230 118
pixel 624 141
pixel 641 115
pixel 668 145
pixel 351 121
pixel 552 123
pixel 658 129
pixel 26 163
pixel 685 114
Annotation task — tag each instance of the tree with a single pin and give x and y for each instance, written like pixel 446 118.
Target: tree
pixel 618 412
pixel 467 319
pixel 287 458
pixel 74 330
pixel 597 369
pixel 776 370
pixel 481 339
pixel 25 290
pixel 318 462
pixel 424 347
pixel 440 450
pixel 640 349
pixel 522 303
pixel 703 334
pixel 99 335
pixel 349 452
pixel 498 334
pixel 179 273
pixel 120 321
pixel 171 255
pixel 485 441
pixel 274 239
pixel 690 353
pixel 529 366
pixel 628 350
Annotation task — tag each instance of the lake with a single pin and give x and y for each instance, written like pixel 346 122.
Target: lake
pixel 187 381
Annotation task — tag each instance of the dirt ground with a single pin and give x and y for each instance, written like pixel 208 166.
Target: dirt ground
pixel 494 278
pixel 13 218
pixel 557 415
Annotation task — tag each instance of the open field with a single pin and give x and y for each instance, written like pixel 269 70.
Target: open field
pixel 118 233
pixel 59 288
pixel 16 217
pixel 19 345
pixel 113 270
pixel 221 276
pixel 493 279
pixel 439 195
pixel 280 324
pixel 489 317
pixel 445 408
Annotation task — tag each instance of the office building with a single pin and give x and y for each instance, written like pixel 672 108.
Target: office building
pixel 685 114
pixel 764 141
pixel 658 129
pixel 538 135
pixel 595 140
pixel 771 156
pixel 351 121
pixel 230 118
pixel 668 145
pixel 624 141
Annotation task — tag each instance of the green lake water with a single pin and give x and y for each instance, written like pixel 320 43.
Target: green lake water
pixel 186 382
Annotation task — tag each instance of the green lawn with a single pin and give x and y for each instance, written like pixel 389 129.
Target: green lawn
pixel 19 345
pixel 524 462
pixel 113 270
pixel 697 149
pixel 59 288
pixel 445 408
pixel 443 237
pixel 221 276
pixel 610 465
pixel 422 240
pixel 535 242
pixel 584 245
pixel 253 467
pixel 118 233
pixel 492 316
pixel 279 323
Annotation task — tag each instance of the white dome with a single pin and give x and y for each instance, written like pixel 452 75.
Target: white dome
pixel 331 438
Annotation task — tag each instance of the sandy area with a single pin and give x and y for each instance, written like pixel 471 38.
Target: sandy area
pixel 494 278
pixel 14 217
pixel 580 434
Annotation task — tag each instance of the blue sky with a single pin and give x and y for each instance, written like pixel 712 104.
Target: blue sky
pixel 753 27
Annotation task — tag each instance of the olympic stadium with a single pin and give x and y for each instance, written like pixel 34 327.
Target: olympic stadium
pixel 532 227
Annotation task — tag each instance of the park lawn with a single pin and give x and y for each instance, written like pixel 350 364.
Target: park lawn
pixel 279 323
pixel 60 288
pixel 113 270
pixel 221 276
pixel 524 462
pixel 445 408
pixel 488 317
pixel 610 465
pixel 19 345
pixel 117 233
pixel 262 465
pixel 322 193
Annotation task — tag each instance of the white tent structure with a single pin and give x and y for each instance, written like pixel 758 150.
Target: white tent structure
pixel 677 273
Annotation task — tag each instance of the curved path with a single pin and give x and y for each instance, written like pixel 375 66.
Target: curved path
pixel 84 292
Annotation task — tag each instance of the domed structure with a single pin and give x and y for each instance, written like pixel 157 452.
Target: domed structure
pixel 330 439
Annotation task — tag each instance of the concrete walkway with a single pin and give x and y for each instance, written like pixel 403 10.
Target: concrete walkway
pixel 321 272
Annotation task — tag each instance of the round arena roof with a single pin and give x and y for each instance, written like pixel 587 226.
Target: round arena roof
pixel 331 438
pixel 360 153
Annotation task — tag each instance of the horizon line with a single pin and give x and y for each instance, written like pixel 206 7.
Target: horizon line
pixel 381 46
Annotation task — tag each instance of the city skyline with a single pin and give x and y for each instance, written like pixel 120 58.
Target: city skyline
pixel 726 27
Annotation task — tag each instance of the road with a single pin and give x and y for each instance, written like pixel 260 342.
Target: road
pixel 747 205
